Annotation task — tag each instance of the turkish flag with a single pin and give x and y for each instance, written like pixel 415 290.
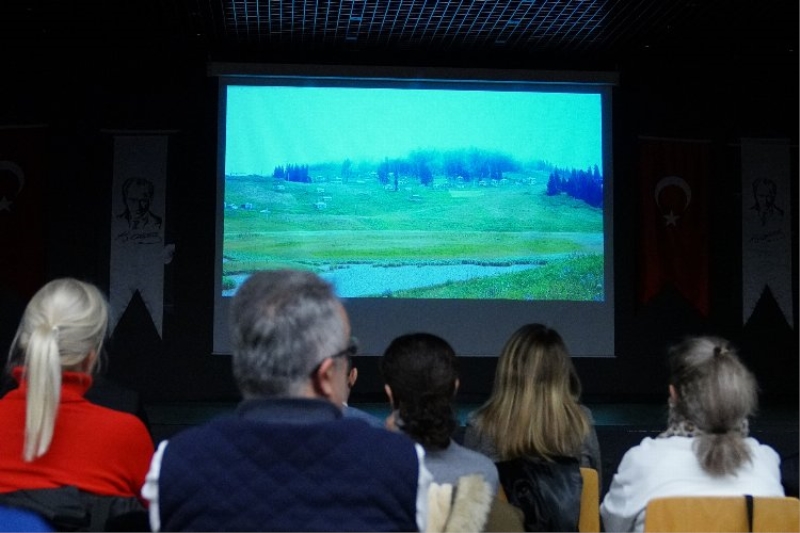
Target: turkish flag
pixel 673 228
pixel 22 228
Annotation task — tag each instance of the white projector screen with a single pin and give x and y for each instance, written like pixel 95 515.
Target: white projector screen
pixel 462 203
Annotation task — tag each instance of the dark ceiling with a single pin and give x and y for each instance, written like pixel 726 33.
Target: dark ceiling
pixel 570 33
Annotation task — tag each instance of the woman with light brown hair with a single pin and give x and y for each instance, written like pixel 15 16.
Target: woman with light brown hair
pixel 534 408
pixel 534 427
pixel 705 450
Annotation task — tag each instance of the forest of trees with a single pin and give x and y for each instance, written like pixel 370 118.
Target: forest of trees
pixel 586 185
pixel 471 165
pixel 298 173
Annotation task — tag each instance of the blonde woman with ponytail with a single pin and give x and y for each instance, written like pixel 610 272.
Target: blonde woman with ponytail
pixel 706 450
pixel 51 437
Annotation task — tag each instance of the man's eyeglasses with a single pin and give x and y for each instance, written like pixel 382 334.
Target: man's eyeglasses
pixel 350 351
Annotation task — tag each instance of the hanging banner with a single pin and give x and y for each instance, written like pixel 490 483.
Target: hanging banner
pixel 766 225
pixel 673 219
pixel 137 224
pixel 23 156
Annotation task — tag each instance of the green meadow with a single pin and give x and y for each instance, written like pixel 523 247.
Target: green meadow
pixel 330 224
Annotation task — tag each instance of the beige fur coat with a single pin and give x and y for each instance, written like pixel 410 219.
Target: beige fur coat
pixel 464 507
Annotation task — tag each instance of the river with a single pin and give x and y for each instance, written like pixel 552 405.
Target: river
pixel 353 281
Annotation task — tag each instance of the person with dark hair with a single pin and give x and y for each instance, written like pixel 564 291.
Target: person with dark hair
pixel 75 463
pixel 421 380
pixel 287 460
pixel 705 450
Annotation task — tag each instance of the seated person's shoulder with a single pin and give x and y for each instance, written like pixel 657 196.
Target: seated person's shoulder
pixel 117 426
pixel 588 413
pixel 360 414
pixel 473 455
pixel 764 452
pixel 381 442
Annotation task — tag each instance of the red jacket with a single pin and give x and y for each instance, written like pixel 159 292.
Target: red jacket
pixel 95 449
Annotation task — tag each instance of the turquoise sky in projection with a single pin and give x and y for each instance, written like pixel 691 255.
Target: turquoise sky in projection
pixel 270 126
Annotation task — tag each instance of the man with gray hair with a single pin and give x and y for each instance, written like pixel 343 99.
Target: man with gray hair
pixel 287 460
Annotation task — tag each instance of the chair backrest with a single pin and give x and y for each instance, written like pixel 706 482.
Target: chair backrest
pixel 589 520
pixel 504 517
pixel 722 514
pixel 18 519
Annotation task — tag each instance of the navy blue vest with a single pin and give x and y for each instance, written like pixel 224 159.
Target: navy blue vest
pixel 246 473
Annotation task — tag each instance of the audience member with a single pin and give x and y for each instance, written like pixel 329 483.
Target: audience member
pixel 287 460
pixel 353 412
pixel 533 425
pixel 421 381
pixel 420 372
pixel 705 450
pixel 534 405
pixel 75 463
pixel 104 390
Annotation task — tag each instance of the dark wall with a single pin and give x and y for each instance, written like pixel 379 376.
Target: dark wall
pixel 82 94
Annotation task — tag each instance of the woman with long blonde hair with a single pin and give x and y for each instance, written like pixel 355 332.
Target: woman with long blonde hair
pixel 535 429
pixel 534 407
pixel 52 437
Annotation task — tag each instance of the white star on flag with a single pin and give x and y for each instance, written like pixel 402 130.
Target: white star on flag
pixel 5 204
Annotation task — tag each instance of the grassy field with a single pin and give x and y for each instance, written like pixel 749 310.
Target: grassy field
pixel 366 205
pixel 572 278
pixel 329 224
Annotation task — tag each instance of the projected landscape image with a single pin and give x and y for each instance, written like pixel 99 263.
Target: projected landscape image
pixel 393 193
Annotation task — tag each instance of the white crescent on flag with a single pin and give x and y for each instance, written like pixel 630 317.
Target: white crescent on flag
pixel 671 218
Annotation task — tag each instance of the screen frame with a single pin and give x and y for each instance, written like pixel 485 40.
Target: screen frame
pixel 595 339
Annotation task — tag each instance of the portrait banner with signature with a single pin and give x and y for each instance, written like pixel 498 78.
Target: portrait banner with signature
pixel 137 224
pixel 766 225
pixel 673 219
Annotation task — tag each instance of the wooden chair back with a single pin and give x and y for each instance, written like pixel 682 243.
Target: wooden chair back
pixel 722 514
pixel 589 520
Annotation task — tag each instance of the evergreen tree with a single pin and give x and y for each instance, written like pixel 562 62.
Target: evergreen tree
pixel 553 184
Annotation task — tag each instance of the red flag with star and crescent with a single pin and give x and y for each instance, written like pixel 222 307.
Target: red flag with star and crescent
pixel 673 228
pixel 23 152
